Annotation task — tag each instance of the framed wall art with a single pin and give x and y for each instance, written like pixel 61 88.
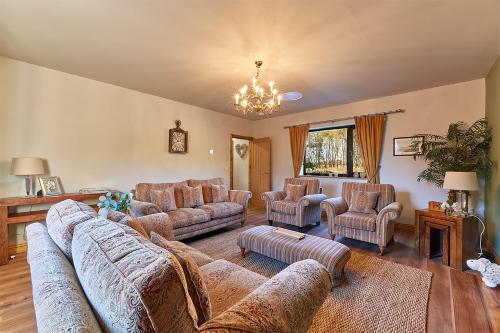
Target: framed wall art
pixel 50 186
pixel 404 146
pixel 177 139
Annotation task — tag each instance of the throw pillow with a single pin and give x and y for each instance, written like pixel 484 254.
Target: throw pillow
pixel 193 196
pixel 196 287
pixel 295 192
pixel 164 199
pixel 219 193
pixel 363 202
pixel 137 226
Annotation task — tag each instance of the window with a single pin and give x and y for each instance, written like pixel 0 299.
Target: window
pixel 332 151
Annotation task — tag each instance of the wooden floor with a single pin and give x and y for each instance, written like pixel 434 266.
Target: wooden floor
pixel 459 302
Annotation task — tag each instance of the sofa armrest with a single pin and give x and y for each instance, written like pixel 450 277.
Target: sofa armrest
pixel 141 208
pixel 241 197
pixel 390 212
pixel 273 196
pixel 269 198
pixel 285 303
pixel 334 207
pixel 159 223
pixel 311 200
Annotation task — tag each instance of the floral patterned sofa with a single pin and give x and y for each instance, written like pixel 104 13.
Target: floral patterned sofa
pixel 192 221
pixel 90 274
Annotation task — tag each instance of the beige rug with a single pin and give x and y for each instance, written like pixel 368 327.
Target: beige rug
pixel 378 296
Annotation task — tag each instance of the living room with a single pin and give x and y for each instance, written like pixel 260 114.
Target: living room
pixel 366 101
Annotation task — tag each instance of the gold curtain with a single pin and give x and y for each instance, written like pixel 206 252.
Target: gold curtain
pixel 370 133
pixel 298 136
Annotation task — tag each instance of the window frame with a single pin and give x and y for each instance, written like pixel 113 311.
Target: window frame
pixel 350 151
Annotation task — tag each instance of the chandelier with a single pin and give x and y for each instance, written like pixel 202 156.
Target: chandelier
pixel 256 99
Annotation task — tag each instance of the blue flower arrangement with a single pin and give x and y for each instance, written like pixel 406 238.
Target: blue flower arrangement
pixel 118 201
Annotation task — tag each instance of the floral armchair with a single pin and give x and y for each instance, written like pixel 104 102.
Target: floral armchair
pixel 302 212
pixel 376 228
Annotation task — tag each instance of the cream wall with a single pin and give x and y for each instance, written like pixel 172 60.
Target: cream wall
pixel 427 111
pixel 95 134
pixel 241 166
pixel 493 190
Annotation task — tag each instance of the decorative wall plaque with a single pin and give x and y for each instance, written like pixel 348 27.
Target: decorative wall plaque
pixel 177 139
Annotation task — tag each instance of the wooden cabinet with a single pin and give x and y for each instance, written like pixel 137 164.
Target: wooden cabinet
pixel 460 236
pixel 10 215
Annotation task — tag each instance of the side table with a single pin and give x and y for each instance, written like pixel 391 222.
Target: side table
pixel 460 241
pixel 9 214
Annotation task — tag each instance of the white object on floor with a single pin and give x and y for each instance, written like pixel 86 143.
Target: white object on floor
pixel 490 271
pixel 289 233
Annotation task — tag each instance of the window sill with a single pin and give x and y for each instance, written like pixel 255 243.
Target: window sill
pixel 332 177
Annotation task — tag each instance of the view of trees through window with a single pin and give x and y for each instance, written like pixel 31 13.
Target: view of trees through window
pixel 332 151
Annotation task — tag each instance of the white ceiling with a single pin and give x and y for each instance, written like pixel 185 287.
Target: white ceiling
pixel 201 51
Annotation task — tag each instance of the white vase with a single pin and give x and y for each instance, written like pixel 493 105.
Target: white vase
pixel 103 212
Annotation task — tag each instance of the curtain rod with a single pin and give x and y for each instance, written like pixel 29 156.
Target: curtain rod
pixel 346 118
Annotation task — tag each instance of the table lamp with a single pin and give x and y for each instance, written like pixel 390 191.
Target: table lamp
pixel 27 167
pixel 464 182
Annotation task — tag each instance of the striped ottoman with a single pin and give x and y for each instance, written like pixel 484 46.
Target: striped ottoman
pixel 263 240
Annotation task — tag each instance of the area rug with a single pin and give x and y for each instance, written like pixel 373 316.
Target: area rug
pixel 377 296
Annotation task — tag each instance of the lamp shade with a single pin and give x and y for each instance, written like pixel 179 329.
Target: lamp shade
pixel 460 181
pixel 27 166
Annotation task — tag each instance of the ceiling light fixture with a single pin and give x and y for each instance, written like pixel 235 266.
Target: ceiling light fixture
pixel 256 99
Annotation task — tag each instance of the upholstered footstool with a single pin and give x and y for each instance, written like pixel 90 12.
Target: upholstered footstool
pixel 265 241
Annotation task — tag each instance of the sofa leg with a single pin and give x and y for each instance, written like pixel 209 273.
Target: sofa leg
pixel 332 237
pixel 242 223
pixel 270 222
pixel 382 248
pixel 301 229
pixel 318 223
pixel 242 252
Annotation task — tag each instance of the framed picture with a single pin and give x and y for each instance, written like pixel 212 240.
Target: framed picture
pixel 177 139
pixel 404 146
pixel 50 186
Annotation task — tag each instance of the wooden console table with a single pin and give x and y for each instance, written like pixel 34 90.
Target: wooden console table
pixel 463 234
pixel 9 214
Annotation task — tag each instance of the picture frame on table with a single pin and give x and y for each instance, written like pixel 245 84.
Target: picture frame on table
pixel 404 146
pixel 50 186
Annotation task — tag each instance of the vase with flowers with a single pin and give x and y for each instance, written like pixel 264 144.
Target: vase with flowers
pixel 117 201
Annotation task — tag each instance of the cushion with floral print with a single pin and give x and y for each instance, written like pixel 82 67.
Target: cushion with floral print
pixel 295 192
pixel 363 202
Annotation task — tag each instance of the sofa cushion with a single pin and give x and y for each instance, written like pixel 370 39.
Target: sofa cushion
pixel 363 202
pixel 312 184
pixel 183 217
pixel 228 283
pixel 219 193
pixel 284 206
pixel 386 191
pixel 142 191
pixel 199 258
pixel 222 209
pixel 132 284
pixel 294 192
pixel 205 184
pixel 165 199
pixel 60 304
pixel 355 220
pixel 62 218
pixel 192 196
pixel 196 286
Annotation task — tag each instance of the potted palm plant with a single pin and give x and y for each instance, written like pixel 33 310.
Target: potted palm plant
pixel 462 148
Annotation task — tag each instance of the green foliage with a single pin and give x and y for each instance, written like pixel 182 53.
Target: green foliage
pixel 461 149
pixel 118 201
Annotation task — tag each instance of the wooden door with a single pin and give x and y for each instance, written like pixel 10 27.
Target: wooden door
pixel 260 169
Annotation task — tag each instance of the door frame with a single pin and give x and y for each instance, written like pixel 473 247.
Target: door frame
pixel 231 137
